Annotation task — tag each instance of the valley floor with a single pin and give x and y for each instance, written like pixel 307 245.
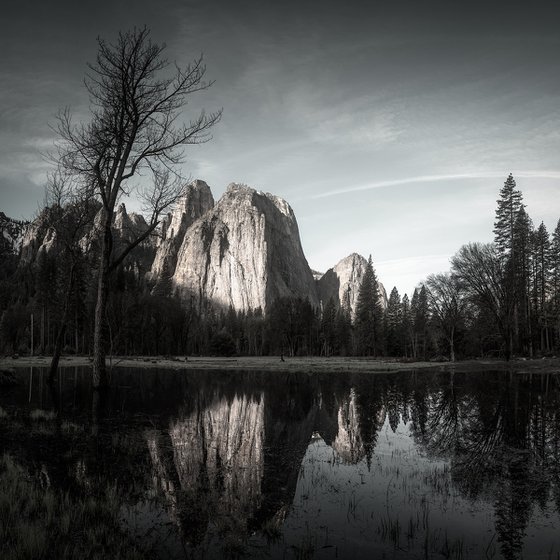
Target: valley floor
pixel 300 364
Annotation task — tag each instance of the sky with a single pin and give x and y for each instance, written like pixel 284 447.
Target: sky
pixel 389 127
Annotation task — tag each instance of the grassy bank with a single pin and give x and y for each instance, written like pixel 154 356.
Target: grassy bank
pixel 37 521
pixel 300 364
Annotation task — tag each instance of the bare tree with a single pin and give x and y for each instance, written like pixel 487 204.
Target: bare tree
pixel 69 216
pixel 483 275
pixel 136 98
pixel 448 305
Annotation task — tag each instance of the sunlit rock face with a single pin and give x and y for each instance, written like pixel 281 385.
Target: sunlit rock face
pixel 244 253
pixel 348 443
pixel 32 239
pixel 39 238
pixel 195 202
pixel 128 227
pixel 342 282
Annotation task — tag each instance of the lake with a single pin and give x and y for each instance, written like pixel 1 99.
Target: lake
pixel 427 464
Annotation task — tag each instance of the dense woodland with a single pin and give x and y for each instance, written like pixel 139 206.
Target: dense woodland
pixel 499 300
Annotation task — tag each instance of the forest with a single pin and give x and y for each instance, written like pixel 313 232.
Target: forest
pixel 499 299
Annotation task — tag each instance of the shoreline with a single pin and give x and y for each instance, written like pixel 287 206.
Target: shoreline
pixel 296 364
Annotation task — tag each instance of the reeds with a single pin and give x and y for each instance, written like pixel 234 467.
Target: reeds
pixel 38 521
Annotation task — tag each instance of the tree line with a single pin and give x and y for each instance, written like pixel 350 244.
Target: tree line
pixel 498 299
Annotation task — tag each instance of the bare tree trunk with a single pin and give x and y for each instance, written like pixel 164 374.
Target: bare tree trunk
pixel 452 345
pixel 509 344
pixel 99 376
pixel 62 329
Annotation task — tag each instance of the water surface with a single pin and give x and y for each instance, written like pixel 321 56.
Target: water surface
pixel 270 465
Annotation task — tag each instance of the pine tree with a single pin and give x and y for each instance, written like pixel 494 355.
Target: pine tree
pixel 421 317
pixel 379 334
pixel 542 263
pixel 369 313
pixel 520 273
pixel 509 204
pixel 328 329
pixel 406 326
pixel 344 331
pixel 393 323
pixel 412 331
pixel 555 285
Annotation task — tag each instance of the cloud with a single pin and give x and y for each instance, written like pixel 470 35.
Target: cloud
pixel 439 178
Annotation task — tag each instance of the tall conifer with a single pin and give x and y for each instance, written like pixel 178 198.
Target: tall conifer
pixel 509 204
pixel 394 324
pixel 369 313
pixel 555 284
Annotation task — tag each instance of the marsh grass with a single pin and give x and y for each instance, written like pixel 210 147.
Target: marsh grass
pixel 40 522
pixel 305 549
pixel 40 415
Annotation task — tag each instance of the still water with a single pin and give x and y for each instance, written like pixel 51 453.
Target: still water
pixel 428 464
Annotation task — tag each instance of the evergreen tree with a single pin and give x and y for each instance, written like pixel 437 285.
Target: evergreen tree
pixel 519 273
pixel 509 204
pixel 344 330
pixel 555 285
pixel 393 321
pixel 421 317
pixel 328 329
pixel 369 313
pixel 406 327
pixel 542 264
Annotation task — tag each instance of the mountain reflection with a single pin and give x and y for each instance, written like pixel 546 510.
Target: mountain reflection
pixel 221 453
pixel 209 464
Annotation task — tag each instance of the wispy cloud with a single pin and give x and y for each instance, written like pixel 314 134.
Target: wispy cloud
pixel 438 178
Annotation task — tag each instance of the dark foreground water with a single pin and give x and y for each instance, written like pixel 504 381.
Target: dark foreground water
pixel 215 464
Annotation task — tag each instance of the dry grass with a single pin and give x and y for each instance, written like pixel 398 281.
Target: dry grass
pixel 297 364
pixel 39 522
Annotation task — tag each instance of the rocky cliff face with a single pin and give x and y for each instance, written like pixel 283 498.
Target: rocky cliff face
pixel 196 201
pixel 128 226
pixel 34 237
pixel 342 282
pixel 39 238
pixel 245 253
pixel 11 234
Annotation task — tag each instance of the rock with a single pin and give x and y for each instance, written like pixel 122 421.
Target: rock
pixel 11 234
pixel 196 201
pixel 128 226
pixel 342 282
pixel 32 239
pixel 244 253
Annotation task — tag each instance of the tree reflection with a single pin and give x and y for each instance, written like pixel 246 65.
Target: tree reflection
pixel 498 431
pixel 219 456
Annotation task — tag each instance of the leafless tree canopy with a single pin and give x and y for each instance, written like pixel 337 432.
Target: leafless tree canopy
pixel 484 277
pixel 136 101
pixel 136 126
